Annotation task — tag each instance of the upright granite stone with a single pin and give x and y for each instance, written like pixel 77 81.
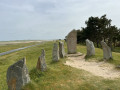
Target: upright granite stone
pixel 90 48
pixel 41 64
pixel 107 54
pixel 17 75
pixel 61 50
pixel 72 42
pixel 55 53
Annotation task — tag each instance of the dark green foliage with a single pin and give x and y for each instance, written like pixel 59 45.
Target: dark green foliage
pixel 98 29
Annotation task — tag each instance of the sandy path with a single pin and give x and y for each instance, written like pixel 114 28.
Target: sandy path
pixel 102 69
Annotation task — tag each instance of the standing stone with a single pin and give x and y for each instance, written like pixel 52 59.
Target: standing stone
pixel 72 42
pixel 90 48
pixel 61 50
pixel 107 54
pixel 55 53
pixel 17 75
pixel 41 64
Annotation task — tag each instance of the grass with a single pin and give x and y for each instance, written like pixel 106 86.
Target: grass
pixel 7 47
pixel 58 76
pixel 99 55
pixel 117 49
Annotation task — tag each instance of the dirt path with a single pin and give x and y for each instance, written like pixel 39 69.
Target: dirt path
pixel 102 69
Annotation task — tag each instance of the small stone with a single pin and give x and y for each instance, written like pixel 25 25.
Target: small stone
pixel 90 48
pixel 107 54
pixel 55 53
pixel 41 64
pixel 61 50
pixel 17 75
pixel 72 42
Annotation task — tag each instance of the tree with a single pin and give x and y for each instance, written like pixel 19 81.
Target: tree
pixel 98 29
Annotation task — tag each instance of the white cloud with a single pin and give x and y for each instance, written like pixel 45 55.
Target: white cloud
pixel 49 19
pixel 15 7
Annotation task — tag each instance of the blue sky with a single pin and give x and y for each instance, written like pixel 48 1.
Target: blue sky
pixel 51 19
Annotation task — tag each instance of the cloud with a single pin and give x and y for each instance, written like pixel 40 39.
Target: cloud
pixel 50 19
pixel 18 8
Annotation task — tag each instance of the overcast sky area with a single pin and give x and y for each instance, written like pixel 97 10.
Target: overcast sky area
pixel 51 19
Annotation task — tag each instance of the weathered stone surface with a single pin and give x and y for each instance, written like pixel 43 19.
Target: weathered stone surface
pixel 90 48
pixel 17 75
pixel 61 50
pixel 72 42
pixel 55 53
pixel 41 64
pixel 107 54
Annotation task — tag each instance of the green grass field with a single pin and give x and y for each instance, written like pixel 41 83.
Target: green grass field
pixel 58 76
pixel 7 47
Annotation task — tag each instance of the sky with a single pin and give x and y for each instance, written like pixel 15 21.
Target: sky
pixel 51 19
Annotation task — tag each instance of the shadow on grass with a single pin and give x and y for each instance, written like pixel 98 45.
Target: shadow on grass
pixel 29 86
pixel 36 74
pixel 116 49
pixel 109 60
pixel 89 57
pixel 100 59
pixel 54 62
pixel 61 60
pixel 35 77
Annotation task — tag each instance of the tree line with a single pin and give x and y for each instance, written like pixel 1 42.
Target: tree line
pixel 98 29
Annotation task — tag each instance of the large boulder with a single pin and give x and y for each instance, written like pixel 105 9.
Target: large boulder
pixel 17 75
pixel 61 50
pixel 41 64
pixel 107 54
pixel 55 53
pixel 72 42
pixel 90 48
